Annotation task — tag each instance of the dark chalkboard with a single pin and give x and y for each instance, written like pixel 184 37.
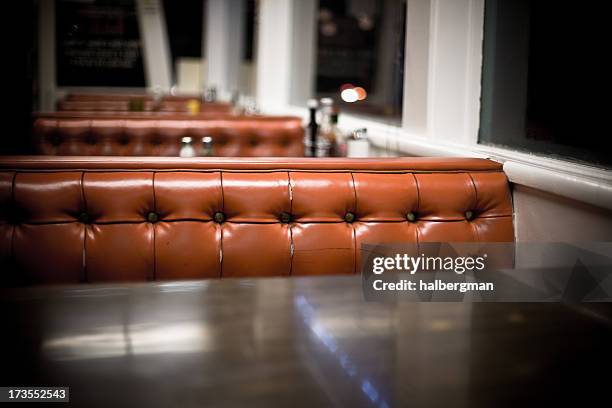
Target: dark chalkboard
pixel 98 44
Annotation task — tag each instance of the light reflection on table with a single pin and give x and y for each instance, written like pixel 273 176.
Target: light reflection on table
pixel 292 342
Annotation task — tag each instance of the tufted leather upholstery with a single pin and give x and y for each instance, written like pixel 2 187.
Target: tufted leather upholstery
pixel 232 136
pixel 94 220
pixel 140 115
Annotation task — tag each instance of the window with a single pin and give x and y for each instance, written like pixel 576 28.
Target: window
pixel 249 32
pixel 538 78
pixel 98 44
pixel 188 21
pixel 360 55
pixel 184 28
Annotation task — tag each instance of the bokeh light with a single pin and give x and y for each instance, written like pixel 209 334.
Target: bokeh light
pixel 346 86
pixel 361 93
pixel 349 95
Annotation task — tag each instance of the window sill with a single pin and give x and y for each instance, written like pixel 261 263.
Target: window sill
pixel 584 183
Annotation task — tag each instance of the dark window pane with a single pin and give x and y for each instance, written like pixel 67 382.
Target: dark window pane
pixel 98 44
pixel 249 32
pixel 538 79
pixel 360 46
pixel 184 24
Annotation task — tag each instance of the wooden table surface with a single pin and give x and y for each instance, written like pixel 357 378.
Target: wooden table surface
pixel 297 342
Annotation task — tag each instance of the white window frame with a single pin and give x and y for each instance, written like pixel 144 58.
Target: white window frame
pixel 441 104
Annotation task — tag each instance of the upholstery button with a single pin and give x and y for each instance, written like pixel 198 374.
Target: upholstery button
pixel 469 215
pixel 152 217
pixel 349 217
pixel 84 218
pixel 55 139
pixel 15 216
pixel 285 217
pixel 411 216
pixel 219 217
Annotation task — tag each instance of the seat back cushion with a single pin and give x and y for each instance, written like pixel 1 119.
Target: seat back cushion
pixel 69 221
pixel 243 137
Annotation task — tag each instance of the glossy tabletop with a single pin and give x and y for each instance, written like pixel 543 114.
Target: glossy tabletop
pixel 297 342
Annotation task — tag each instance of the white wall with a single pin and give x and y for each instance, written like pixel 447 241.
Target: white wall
pixel 274 50
pixel 453 38
pixel 541 216
pixel 156 50
pixel 224 43
pixel 416 64
pixel 286 44
pixel 303 51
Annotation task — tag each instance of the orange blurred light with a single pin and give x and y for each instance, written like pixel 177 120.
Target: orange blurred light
pixel 361 93
pixel 344 87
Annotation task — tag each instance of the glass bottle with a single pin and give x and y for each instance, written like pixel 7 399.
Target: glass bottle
pixel 325 136
pixel 236 102
pixel 310 136
pixel 207 147
pixel 210 94
pixel 193 106
pixel 338 148
pixel 157 100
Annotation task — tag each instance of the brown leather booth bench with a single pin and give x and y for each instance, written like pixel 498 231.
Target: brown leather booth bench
pixel 125 97
pixel 121 102
pixel 147 105
pixel 69 220
pixel 233 136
